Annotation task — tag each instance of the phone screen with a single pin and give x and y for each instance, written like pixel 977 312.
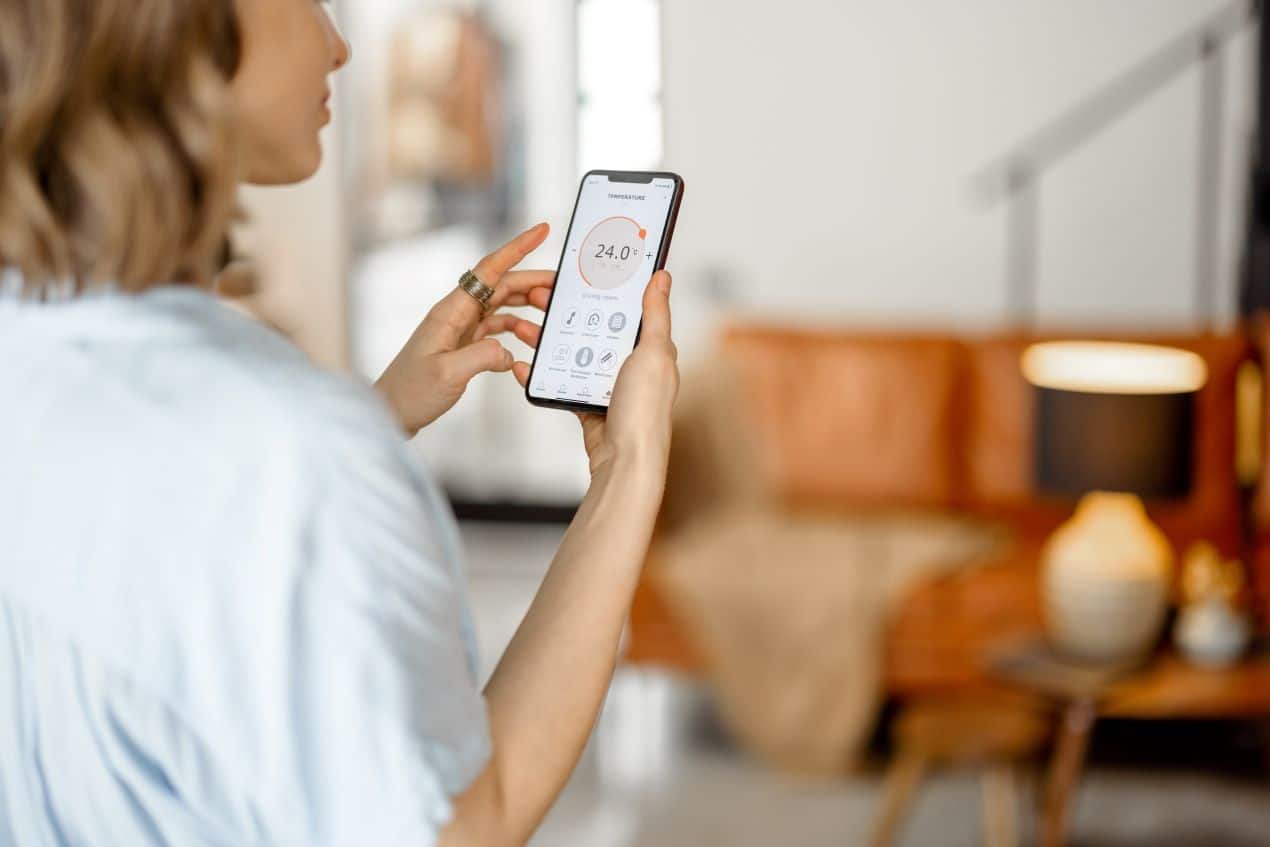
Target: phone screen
pixel 615 240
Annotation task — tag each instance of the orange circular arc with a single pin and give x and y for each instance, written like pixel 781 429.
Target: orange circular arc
pixel 643 234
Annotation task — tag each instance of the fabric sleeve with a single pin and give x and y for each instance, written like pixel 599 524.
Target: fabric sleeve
pixel 387 722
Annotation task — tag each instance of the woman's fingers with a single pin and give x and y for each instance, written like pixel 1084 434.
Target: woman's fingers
pixel 656 326
pixel 495 324
pixel 459 312
pixel 537 297
pixel 459 367
pixel 490 270
pixel 522 282
pixel 527 331
pixel 520 370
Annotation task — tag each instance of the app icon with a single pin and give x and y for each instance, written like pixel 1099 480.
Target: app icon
pixel 571 319
pixel 584 357
pixel 608 360
pixel 560 355
pixel 594 320
pixel 617 322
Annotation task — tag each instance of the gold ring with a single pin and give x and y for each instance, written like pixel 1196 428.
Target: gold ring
pixel 479 291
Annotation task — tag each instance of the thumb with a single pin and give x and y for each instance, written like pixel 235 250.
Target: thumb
pixel 466 362
pixel 657 308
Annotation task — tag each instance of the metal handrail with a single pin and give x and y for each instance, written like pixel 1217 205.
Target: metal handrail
pixel 1014 177
pixel 1076 125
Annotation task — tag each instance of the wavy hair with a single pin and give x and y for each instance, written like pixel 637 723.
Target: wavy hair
pixel 117 160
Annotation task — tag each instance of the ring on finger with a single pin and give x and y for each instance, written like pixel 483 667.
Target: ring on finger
pixel 479 291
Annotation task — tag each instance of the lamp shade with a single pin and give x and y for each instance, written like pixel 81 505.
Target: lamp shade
pixel 1113 417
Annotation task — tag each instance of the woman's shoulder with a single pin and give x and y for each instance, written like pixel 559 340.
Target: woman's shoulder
pixel 176 364
pixel 277 388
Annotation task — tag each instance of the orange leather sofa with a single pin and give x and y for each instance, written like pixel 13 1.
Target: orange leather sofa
pixel 846 423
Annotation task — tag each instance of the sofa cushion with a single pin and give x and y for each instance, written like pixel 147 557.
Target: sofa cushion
pixel 849 420
pixel 713 455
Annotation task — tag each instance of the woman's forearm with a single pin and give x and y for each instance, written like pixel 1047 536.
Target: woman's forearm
pixel 547 690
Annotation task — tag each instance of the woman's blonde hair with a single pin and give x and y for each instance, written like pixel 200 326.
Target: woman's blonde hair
pixel 116 145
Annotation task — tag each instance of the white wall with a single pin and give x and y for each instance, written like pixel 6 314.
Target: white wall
pixel 828 147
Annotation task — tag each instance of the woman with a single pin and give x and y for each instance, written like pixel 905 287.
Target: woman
pixel 231 609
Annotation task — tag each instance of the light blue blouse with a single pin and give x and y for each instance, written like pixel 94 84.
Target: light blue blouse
pixel 231 606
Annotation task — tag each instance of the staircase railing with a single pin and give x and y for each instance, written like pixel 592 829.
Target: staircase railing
pixel 1014 179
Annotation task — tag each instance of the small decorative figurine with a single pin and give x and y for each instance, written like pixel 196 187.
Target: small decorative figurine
pixel 1211 630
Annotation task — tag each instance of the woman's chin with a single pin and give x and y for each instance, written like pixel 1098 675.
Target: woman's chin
pixel 298 166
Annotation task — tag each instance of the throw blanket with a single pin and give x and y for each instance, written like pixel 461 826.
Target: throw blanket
pixel 791 613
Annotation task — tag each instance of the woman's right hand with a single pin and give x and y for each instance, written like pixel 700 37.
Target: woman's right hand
pixel 637 427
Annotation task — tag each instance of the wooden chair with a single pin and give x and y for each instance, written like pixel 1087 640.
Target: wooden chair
pixel 991 736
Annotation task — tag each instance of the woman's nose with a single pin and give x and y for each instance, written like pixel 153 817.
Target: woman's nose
pixel 343 50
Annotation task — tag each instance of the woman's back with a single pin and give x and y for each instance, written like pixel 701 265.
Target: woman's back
pixel 253 626
pixel 231 610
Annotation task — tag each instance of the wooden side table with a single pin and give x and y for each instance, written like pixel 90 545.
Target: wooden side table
pixel 1167 687
pixel 989 736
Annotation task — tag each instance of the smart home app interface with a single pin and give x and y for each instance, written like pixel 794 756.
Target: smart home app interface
pixel 609 257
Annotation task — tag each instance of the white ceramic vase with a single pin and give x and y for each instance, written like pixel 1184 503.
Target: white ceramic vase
pixel 1105 582
pixel 1211 633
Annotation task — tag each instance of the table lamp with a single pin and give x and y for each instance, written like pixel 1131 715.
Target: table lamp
pixel 1114 424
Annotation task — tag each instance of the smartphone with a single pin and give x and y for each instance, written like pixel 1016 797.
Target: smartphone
pixel 618 238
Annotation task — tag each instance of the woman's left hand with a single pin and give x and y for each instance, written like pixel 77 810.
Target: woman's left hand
pixel 452 344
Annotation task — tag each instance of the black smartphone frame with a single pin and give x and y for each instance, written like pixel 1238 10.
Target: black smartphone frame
pixel 663 253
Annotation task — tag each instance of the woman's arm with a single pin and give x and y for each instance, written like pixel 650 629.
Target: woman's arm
pixel 546 692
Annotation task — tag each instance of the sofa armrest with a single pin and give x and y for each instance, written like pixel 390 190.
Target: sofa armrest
pixel 943 633
pixel 652 636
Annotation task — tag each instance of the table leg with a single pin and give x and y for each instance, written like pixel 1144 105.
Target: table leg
pixel 1000 809
pixel 1069 759
pixel 902 779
